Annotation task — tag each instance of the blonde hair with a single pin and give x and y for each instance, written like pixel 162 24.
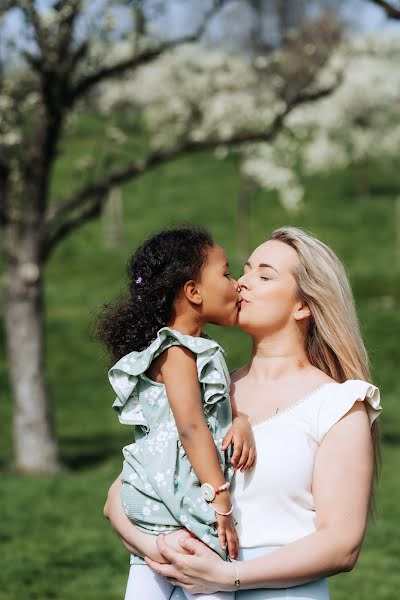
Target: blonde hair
pixel 334 343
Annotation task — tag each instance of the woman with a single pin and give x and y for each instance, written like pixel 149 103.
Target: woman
pixel 302 512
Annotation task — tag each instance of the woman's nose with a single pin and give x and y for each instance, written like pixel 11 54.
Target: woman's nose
pixel 242 281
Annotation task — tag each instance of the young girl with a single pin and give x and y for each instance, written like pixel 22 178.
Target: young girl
pixel 173 386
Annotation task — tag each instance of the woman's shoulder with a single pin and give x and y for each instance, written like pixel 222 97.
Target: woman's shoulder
pixel 344 397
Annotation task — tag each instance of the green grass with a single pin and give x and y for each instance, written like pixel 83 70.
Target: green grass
pixel 54 542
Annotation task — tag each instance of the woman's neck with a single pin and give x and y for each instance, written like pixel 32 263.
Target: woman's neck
pixel 277 356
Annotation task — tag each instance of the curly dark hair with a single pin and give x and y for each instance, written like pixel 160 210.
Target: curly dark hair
pixel 156 273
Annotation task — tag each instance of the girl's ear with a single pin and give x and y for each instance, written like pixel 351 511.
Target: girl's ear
pixel 192 292
pixel 302 311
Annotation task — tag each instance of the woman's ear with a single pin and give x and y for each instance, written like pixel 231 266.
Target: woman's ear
pixel 192 292
pixel 302 311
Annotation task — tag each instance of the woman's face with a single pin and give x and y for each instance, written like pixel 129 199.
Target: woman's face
pixel 268 289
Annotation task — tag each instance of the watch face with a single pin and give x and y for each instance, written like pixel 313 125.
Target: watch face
pixel 207 492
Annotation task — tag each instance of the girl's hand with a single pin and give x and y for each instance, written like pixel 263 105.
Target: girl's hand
pixel 227 535
pixel 244 447
pixel 175 539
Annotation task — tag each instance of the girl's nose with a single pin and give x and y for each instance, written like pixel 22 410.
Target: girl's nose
pixel 235 284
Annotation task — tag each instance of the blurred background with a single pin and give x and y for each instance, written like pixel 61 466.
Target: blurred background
pixel 118 118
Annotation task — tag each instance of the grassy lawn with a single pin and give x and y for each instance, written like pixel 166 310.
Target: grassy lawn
pixel 54 542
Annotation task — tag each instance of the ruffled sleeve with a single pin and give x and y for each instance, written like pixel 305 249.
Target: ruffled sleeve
pixel 125 374
pixel 341 400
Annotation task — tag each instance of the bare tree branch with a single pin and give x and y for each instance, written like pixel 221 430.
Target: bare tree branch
pixel 91 210
pixel 86 204
pixel 32 16
pixel 393 12
pixel 316 95
pixel 71 10
pixel 135 61
pixel 7 5
pixel 4 174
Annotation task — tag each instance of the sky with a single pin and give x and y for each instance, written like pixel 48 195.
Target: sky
pixel 366 15
pixel 179 17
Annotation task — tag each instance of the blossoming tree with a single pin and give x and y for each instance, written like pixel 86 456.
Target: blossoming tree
pixel 61 61
pixel 357 124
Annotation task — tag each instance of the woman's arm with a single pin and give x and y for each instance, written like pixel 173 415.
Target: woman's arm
pixel 342 483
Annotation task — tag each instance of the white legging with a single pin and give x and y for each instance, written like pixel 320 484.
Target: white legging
pixel 145 584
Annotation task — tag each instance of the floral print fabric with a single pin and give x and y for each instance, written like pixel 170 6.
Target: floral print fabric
pixel 160 491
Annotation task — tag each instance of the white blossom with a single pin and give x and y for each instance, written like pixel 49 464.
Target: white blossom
pixel 195 94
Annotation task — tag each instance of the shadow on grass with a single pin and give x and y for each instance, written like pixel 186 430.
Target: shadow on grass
pixel 87 450
pixel 392 438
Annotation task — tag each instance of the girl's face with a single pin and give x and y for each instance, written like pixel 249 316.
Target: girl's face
pixel 269 290
pixel 218 289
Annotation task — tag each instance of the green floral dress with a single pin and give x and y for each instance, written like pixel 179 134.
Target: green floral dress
pixel 160 491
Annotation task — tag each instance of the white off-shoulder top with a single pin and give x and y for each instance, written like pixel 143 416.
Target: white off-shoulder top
pixel 273 503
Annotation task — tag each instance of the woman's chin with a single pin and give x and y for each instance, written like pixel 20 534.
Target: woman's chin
pixel 241 320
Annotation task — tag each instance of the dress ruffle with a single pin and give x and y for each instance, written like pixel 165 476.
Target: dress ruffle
pixel 124 375
pixel 345 396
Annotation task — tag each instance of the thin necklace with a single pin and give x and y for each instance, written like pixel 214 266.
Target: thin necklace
pixel 291 407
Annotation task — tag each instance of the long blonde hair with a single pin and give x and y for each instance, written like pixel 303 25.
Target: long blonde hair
pixel 334 343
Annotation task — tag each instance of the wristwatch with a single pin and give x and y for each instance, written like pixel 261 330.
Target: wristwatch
pixel 208 492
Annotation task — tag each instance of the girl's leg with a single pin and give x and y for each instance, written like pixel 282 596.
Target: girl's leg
pixel 145 584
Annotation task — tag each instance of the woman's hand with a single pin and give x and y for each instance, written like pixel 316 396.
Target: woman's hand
pixel 244 447
pixel 202 571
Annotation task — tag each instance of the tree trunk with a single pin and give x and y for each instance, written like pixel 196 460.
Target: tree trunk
pixel 35 444
pixel 362 181
pixel 113 219
pixel 397 230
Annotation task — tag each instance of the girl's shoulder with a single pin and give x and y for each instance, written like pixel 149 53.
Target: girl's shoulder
pixel 211 368
pixel 166 337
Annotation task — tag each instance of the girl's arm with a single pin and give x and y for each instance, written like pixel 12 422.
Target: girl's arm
pixel 240 435
pixel 179 372
pixel 341 489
